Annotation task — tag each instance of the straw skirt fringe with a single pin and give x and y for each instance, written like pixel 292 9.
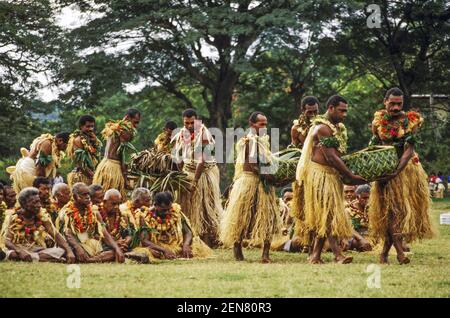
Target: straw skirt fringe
pixel 203 208
pixel 109 175
pixel 324 202
pixel 252 213
pixel 407 199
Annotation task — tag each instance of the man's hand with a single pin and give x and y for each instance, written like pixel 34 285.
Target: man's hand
pixel 187 252
pixel 387 177
pixel 120 258
pixel 345 244
pixel 169 254
pixel 24 256
pixel 123 244
pixel 70 257
pixel 82 256
pixel 356 180
pixel 365 245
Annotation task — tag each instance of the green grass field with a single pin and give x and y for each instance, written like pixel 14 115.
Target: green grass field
pixel 288 276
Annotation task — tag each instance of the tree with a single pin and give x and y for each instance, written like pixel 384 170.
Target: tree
pixel 409 49
pixel 208 43
pixel 27 47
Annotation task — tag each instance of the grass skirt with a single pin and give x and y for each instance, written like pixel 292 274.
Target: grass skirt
pixel 407 197
pixel 203 208
pixel 252 213
pixel 324 202
pixel 109 175
pixel 77 176
pixel 301 232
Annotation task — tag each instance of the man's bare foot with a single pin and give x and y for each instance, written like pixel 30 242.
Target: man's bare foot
pixel 383 259
pixel 266 260
pixel 343 259
pixel 138 257
pixel 237 251
pixel 315 261
pixel 402 259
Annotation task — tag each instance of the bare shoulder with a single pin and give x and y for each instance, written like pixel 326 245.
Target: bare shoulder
pixel 46 147
pixel 322 130
pixel 77 142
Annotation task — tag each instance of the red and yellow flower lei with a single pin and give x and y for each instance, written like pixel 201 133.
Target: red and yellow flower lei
pixel 113 229
pixel 26 232
pixel 389 129
pixel 161 224
pixel 82 224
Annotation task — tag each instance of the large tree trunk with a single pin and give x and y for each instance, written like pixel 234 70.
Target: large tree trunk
pixel 220 112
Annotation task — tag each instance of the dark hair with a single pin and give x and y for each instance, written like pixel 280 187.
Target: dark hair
pixel 85 119
pixel 163 198
pixel 189 113
pixel 25 194
pixel 64 136
pixel 287 189
pixel 254 117
pixel 309 100
pixel 335 100
pixel 94 188
pixel 133 112
pixel 395 91
pixel 171 125
pixel 1 187
pixel 41 180
pixel 364 188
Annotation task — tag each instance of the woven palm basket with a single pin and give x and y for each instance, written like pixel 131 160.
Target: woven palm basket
pixel 287 165
pixel 372 162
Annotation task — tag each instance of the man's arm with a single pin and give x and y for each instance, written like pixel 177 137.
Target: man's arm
pixel 405 158
pixel 112 243
pixel 80 253
pixel 198 172
pixel 187 241
pixel 294 135
pixel 21 253
pixel 333 157
pixel 155 247
pixel 78 145
pixel 60 241
pixel 44 150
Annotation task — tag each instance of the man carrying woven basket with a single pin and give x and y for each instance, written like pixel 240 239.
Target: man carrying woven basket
pixel 399 203
pixel 252 212
pixel 319 177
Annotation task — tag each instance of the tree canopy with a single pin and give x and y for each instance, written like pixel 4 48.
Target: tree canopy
pixel 224 58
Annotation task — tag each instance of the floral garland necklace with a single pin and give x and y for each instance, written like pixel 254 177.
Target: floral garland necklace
pixel 134 210
pixel 113 228
pixel 339 138
pixel 82 223
pixel 30 227
pixel 304 124
pixel 89 141
pixel 163 223
pixel 394 129
pixel 117 127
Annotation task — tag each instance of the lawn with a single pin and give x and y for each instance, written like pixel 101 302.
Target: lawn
pixel 288 276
